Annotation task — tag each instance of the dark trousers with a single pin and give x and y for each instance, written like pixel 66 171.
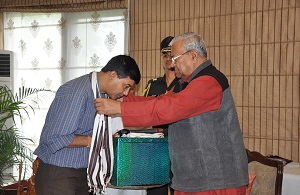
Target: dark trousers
pixel 163 190
pixel 54 180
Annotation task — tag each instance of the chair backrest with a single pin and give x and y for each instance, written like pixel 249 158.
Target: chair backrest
pixel 268 171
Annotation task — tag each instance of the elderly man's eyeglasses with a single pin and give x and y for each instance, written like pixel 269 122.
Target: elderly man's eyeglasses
pixel 174 58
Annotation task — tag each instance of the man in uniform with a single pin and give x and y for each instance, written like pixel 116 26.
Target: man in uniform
pixel 163 84
pixel 158 86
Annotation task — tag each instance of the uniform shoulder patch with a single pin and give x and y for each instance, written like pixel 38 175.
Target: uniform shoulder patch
pixel 151 80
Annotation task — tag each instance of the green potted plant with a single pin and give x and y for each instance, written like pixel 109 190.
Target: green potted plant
pixel 13 142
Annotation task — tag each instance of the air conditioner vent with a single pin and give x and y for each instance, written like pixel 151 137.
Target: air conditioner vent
pixel 5 65
pixel 6 68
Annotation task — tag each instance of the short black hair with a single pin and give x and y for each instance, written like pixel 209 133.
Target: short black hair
pixel 125 66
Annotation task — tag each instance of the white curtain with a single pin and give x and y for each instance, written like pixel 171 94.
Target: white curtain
pixel 53 48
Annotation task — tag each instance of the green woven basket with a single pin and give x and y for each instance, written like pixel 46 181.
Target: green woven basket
pixel 140 161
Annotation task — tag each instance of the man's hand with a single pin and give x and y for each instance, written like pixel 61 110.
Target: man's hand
pixel 81 141
pixel 107 106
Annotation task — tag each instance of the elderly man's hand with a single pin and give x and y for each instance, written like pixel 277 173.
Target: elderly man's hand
pixel 107 106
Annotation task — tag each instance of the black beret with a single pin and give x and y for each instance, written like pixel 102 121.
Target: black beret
pixel 164 45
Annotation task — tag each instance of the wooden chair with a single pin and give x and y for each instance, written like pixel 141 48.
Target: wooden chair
pixel 268 171
pixel 30 190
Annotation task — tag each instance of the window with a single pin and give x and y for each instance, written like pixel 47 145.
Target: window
pixel 53 48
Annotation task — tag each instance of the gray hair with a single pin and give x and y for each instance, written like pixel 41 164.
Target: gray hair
pixel 192 41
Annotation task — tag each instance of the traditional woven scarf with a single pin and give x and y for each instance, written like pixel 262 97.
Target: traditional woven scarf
pixel 101 155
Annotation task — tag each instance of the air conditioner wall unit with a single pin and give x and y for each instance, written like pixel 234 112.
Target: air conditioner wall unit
pixel 6 68
pixel 6 79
